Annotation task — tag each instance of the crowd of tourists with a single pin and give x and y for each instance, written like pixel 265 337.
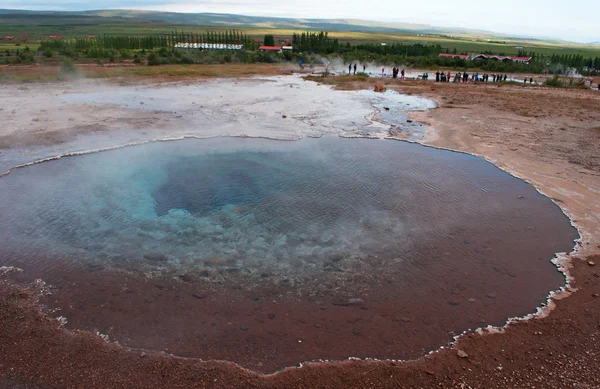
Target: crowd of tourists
pixel 473 77
pixel 446 76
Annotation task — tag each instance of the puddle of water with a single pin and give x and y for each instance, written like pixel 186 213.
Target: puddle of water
pixel 270 253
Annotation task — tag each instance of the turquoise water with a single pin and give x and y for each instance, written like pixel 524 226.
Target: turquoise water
pixel 284 208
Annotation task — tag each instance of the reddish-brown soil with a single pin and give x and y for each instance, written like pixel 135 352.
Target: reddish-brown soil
pixel 562 350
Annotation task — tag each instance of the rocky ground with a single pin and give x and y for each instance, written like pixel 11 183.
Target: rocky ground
pixel 550 137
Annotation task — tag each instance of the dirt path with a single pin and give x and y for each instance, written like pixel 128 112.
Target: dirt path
pixel 550 137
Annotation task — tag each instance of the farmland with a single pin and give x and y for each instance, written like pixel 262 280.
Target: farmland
pixel 38 27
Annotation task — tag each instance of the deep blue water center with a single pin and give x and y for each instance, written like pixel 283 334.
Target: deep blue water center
pixel 263 205
pixel 207 183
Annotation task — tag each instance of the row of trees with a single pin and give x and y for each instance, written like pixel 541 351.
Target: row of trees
pixel 319 43
pixel 150 42
pixel 313 42
pixel 576 61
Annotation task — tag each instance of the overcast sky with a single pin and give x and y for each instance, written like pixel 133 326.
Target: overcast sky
pixel 567 19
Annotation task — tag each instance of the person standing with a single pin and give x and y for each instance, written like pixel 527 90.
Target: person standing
pixel 383 72
pixel 437 76
pixel 402 74
pixel 350 69
pixel 364 68
pixel 354 68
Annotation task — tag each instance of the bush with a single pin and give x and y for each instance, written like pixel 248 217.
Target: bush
pixel 265 58
pixel 242 56
pixel 24 58
pixel 137 59
pixel 153 60
pixel 48 53
pixel 163 52
pixel 67 66
pixel 125 54
pixel 186 59
pixel 555 82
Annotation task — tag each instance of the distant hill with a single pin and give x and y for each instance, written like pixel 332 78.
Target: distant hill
pixel 230 20
pixel 214 19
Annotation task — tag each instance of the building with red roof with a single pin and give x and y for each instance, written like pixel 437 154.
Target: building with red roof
pixel 474 56
pixel 462 56
pixel 270 48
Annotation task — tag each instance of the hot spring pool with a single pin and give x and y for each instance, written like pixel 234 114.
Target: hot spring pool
pixel 392 244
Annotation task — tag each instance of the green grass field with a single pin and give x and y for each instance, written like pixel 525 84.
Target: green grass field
pixel 37 30
pixel 16 46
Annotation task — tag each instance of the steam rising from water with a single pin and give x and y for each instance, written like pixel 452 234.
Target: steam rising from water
pixel 290 208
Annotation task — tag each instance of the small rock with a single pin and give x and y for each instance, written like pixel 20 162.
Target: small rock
pixel 283 116
pixel 386 108
pixel 409 121
pixel 499 368
pixel 472 300
pixel 271 316
pixel 591 263
pixel 349 302
pixel 491 295
pixel 143 354
pixel 200 295
pixel 244 328
pixel 336 257
pixel 521 197
pixel 186 278
pixel 379 87
pixel 141 103
pixel 429 372
pixel 157 257
pixel 462 354
pixel 595 295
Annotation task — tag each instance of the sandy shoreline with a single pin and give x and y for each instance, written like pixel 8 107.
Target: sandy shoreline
pixel 546 137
